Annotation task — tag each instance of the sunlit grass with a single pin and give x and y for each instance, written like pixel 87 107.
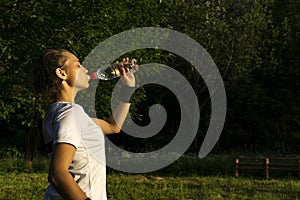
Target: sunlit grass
pixel 128 186
pixel 188 178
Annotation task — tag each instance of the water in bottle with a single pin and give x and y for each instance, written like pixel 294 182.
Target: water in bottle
pixel 114 70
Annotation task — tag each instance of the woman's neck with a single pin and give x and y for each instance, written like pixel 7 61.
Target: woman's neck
pixel 67 95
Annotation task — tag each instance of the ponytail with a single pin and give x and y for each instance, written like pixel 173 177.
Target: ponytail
pixel 47 84
pixel 35 135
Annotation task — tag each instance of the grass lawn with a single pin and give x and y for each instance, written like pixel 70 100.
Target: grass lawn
pixel 31 186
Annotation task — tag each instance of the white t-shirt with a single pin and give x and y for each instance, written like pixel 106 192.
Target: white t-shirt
pixel 68 123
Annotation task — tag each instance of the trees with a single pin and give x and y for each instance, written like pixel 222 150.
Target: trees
pixel 255 45
pixel 249 41
pixel 30 27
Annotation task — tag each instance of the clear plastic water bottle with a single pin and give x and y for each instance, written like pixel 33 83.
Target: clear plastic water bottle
pixel 114 70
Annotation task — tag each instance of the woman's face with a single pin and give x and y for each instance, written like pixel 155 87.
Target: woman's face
pixel 76 74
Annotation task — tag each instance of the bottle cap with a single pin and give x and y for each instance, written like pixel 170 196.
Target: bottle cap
pixel 93 76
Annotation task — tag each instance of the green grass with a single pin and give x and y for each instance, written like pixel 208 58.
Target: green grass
pixel 22 186
pixel 31 186
pixel 188 178
pixel 141 187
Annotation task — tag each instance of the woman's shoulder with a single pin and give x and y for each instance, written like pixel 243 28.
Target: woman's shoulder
pixel 64 110
pixel 59 107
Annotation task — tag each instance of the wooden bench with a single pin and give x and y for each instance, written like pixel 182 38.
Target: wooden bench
pixel 267 165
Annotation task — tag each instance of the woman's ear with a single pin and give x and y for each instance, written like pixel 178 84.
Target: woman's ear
pixel 61 73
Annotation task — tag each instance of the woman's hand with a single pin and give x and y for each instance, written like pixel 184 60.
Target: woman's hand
pixel 127 79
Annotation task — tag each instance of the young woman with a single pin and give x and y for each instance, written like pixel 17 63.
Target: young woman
pixel 77 159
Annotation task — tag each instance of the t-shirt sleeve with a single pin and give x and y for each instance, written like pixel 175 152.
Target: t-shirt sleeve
pixel 68 130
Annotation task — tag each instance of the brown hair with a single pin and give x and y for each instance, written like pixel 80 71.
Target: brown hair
pixel 49 85
pixel 45 80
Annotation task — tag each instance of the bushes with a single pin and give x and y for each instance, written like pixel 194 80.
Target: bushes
pixel 254 45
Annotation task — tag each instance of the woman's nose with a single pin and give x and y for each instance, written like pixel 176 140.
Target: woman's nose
pixel 84 69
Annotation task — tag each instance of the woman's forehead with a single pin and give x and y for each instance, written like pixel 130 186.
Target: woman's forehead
pixel 71 57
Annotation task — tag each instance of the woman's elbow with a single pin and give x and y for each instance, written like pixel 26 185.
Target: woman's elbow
pixel 113 129
pixel 116 129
